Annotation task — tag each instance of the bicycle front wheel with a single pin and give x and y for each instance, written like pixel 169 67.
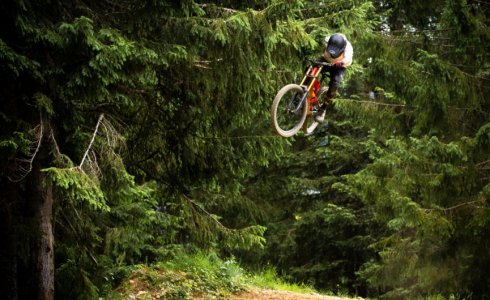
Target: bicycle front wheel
pixel 288 111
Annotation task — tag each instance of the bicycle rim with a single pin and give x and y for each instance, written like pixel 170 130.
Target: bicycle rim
pixel 287 115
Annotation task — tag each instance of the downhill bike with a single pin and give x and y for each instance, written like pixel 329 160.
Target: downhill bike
pixel 295 105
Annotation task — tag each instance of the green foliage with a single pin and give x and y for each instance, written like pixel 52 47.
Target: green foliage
pixel 199 274
pixel 387 200
pixel 207 230
pixel 426 181
pixel 317 235
pixel 76 282
pixel 15 63
pixel 185 277
pixel 19 142
pixel 427 193
pixel 270 279
pixel 426 175
pixel 78 186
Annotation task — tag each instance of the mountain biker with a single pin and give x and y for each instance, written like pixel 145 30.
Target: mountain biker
pixel 338 51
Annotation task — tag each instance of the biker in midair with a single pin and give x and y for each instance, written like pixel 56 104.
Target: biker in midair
pixel 338 51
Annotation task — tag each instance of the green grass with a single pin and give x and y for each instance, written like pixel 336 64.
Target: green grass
pixel 269 279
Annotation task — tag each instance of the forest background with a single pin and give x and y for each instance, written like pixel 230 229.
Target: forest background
pixel 135 131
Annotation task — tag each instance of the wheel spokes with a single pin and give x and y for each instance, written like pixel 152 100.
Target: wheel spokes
pixel 291 111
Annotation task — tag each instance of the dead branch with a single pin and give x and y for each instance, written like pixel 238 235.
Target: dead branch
pixel 223 9
pixel 24 165
pixel 371 102
pixel 91 141
pixel 446 209
pixel 112 139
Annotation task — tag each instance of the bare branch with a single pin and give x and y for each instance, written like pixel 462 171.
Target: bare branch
pixel 111 140
pixel 25 164
pixel 371 102
pixel 55 144
pixel 91 141
pixel 205 64
pixel 484 165
pixel 445 209
pixel 223 9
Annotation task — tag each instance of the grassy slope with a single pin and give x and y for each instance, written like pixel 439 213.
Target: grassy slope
pixel 200 276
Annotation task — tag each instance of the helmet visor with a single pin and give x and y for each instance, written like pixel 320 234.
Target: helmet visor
pixel 334 50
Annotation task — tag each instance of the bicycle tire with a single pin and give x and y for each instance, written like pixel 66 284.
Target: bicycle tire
pixel 285 122
pixel 310 124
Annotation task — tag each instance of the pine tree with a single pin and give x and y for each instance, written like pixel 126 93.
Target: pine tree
pixel 428 180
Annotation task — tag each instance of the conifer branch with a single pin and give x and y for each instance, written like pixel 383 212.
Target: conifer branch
pixel 455 206
pixel 77 234
pixel 194 204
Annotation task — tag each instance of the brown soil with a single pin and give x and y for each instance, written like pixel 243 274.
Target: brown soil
pixel 260 294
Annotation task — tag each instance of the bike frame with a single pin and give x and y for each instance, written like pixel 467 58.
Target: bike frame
pixel 309 81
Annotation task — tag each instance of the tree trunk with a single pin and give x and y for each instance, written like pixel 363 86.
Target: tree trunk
pixel 8 253
pixel 45 254
pixel 40 203
pixel 26 232
pixel 43 218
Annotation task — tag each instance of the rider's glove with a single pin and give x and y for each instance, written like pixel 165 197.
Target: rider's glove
pixel 338 64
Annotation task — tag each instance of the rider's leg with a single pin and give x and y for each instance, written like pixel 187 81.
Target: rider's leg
pixel 331 93
pixel 336 76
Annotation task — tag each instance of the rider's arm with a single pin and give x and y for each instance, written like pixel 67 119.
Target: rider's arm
pixel 321 59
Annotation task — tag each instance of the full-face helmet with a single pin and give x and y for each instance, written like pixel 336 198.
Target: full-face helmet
pixel 335 45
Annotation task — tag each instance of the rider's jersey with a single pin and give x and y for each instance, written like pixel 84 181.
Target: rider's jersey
pixel 345 57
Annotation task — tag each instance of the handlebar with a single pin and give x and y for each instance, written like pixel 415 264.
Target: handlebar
pixel 321 63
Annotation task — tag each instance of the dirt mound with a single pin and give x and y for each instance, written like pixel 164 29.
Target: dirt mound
pixel 260 294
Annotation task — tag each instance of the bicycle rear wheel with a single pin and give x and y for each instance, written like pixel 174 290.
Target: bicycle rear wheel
pixel 287 111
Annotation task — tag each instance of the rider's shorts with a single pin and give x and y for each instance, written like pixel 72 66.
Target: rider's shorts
pixel 336 76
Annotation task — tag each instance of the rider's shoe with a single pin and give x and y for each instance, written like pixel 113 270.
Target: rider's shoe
pixel 320 114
